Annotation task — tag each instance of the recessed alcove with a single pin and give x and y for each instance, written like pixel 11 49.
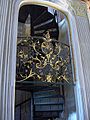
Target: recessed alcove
pixel 44 67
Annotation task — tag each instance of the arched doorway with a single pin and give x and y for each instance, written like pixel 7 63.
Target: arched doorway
pixel 44 76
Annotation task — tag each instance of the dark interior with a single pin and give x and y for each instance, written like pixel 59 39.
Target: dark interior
pixel 44 70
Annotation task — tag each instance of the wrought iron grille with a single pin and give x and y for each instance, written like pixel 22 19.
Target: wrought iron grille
pixel 43 59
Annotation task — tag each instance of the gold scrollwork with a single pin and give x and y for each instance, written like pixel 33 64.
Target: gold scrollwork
pixel 45 60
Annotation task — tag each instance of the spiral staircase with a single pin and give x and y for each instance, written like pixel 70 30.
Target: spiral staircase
pixel 48 104
pixel 48 101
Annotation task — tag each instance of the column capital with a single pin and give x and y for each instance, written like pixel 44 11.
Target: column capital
pixel 79 8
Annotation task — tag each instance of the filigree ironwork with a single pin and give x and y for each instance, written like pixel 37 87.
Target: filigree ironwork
pixel 43 58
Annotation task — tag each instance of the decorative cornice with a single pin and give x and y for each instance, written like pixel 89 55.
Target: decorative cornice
pixel 79 8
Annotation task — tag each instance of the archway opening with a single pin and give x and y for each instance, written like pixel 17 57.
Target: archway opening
pixel 44 75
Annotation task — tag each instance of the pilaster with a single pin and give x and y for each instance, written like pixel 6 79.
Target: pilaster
pixel 83 30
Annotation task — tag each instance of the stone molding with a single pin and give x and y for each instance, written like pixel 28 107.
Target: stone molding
pixel 79 8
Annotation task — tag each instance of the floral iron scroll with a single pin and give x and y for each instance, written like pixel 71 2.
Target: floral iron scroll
pixel 43 58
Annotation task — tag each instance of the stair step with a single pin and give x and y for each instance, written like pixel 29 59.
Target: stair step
pixel 46 114
pixel 46 93
pixel 49 96
pixel 42 24
pixel 48 25
pixel 48 100
pixel 45 17
pixel 48 108
pixel 51 30
pixel 49 103
pixel 55 110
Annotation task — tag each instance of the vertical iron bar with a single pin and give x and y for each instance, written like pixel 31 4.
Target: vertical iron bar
pixel 20 113
pixel 32 105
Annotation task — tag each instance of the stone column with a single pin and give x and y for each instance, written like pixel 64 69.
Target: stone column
pixel 6 85
pixel 83 30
